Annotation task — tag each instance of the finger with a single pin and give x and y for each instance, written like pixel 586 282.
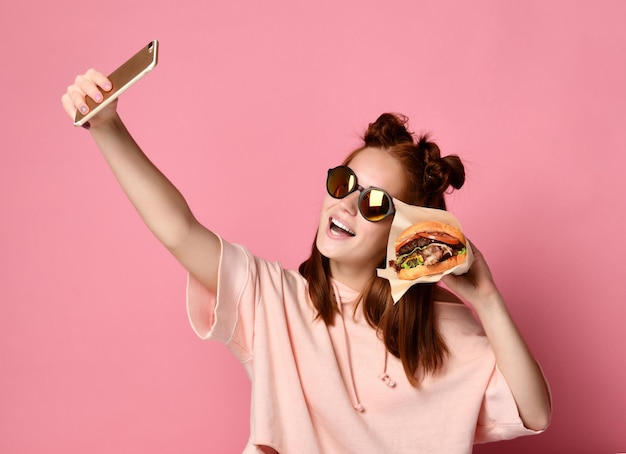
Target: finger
pixel 77 99
pixel 99 79
pixel 475 250
pixel 88 87
pixel 68 105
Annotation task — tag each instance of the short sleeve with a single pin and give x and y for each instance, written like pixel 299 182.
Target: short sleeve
pixel 499 417
pixel 227 316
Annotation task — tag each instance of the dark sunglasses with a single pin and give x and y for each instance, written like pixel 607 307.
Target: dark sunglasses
pixel 375 204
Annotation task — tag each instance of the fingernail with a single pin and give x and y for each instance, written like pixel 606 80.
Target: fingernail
pixel 83 109
pixel 106 86
pixel 98 97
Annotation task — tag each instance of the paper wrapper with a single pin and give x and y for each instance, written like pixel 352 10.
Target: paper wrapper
pixel 407 215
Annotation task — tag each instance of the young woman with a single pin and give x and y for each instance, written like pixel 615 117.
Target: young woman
pixel 335 366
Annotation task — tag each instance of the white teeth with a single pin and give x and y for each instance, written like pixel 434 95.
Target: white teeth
pixel 341 226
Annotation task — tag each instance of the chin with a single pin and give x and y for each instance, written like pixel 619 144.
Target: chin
pixel 323 248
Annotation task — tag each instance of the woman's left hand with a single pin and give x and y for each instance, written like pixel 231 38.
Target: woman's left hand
pixel 514 359
pixel 477 284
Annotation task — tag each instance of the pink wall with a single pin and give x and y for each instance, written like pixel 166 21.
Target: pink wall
pixel 95 350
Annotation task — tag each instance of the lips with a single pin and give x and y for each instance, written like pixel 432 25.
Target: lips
pixel 340 228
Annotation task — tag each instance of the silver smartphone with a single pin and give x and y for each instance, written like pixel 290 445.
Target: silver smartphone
pixel 122 78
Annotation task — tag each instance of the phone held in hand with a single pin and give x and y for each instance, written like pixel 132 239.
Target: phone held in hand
pixel 121 79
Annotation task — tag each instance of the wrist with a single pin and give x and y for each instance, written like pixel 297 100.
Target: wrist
pixel 489 305
pixel 107 125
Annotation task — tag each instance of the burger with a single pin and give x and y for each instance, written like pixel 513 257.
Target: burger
pixel 428 248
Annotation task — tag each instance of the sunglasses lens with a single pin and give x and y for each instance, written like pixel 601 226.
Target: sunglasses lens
pixel 341 182
pixel 375 205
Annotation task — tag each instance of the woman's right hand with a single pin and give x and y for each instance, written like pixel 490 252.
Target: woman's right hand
pixel 87 85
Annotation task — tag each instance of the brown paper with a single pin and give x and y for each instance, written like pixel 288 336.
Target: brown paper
pixel 407 215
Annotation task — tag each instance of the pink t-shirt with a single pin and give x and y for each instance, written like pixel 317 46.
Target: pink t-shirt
pixel 334 389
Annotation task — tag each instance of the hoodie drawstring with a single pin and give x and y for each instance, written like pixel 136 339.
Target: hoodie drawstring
pixel 348 364
pixel 384 376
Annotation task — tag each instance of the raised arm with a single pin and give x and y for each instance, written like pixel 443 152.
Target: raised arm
pixel 159 203
pixel 514 359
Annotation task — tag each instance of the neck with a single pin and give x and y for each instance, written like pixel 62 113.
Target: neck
pixel 356 278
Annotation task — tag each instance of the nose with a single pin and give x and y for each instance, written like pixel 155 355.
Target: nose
pixel 350 203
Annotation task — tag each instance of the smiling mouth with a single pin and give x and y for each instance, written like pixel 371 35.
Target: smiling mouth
pixel 338 227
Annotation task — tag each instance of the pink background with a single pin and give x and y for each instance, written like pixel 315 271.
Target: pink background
pixel 253 101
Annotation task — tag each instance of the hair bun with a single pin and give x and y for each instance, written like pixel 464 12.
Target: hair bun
pixel 440 173
pixel 388 130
